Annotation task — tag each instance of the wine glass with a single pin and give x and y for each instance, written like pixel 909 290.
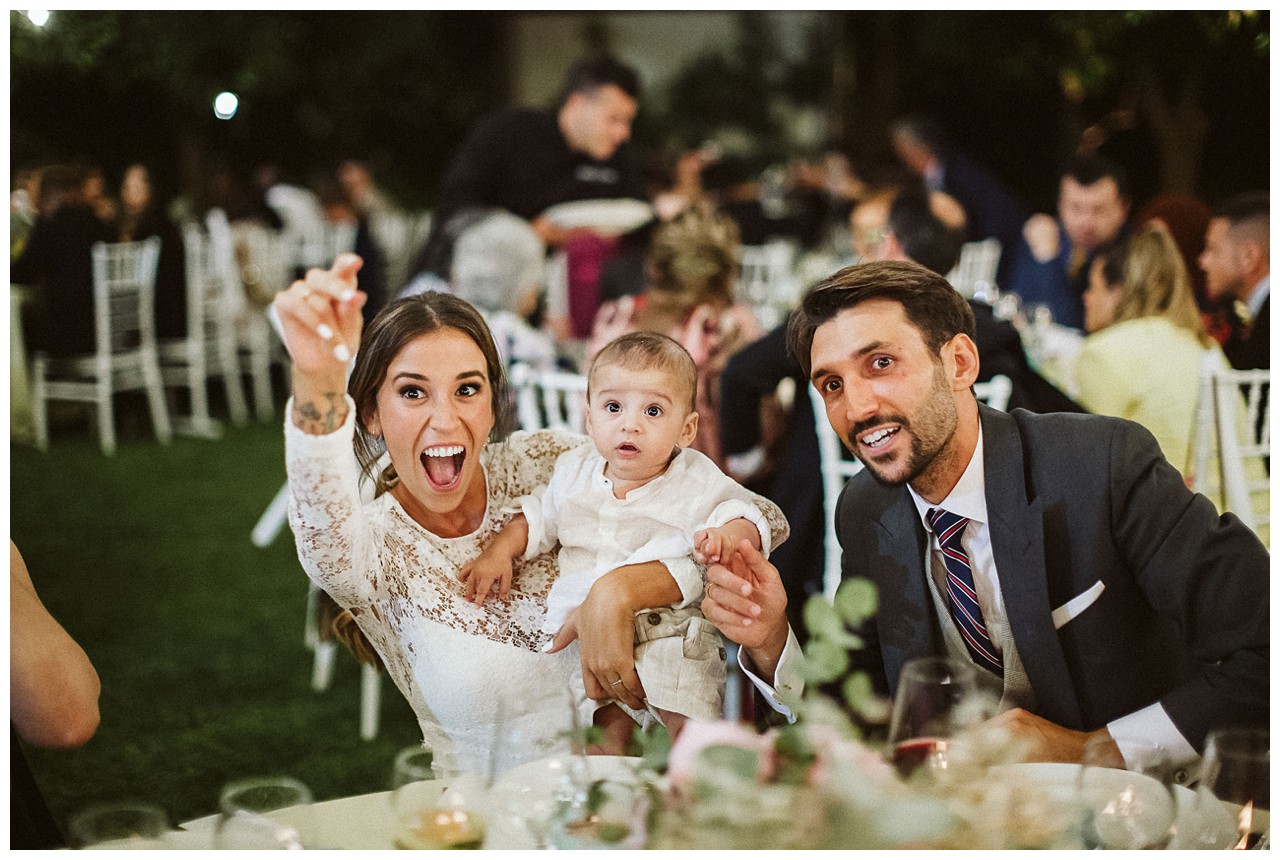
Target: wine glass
pixel 129 825
pixel 1235 775
pixel 938 698
pixel 1127 806
pixel 245 819
pixel 430 813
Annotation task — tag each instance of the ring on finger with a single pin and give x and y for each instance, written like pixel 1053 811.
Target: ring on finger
pixel 615 683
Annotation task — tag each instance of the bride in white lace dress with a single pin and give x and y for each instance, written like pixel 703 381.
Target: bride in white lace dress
pixel 427 400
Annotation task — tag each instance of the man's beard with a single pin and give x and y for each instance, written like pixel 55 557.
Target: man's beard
pixel 937 421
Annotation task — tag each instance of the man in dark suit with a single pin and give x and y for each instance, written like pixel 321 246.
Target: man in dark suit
pixel 1237 263
pixel 1105 598
pixel 1051 263
pixel 993 210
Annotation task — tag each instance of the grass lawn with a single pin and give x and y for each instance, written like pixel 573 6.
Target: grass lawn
pixel 196 634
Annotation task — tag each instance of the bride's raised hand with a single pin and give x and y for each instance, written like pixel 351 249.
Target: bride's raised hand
pixel 320 317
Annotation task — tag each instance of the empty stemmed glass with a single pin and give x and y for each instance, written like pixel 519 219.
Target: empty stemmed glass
pixel 128 825
pixel 1235 776
pixel 938 698
pixel 1130 806
pixel 245 819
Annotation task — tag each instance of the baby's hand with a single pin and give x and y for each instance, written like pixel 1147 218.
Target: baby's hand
pixel 489 573
pixel 708 544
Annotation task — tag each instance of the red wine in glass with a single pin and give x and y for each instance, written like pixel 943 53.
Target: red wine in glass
pixel 911 755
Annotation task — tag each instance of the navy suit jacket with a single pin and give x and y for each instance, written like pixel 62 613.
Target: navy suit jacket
pixel 1074 500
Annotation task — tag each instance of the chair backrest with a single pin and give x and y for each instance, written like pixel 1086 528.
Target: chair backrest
pixel 549 399
pixel 767 280
pixel 975 273
pixel 838 466
pixel 212 298
pixel 124 289
pixel 1233 417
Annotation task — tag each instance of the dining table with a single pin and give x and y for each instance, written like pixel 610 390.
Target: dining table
pixel 511 804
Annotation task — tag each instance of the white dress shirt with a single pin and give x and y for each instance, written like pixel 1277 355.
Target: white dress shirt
pixel 1132 733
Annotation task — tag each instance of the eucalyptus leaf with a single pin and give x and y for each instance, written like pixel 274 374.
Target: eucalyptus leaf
pixel 856 600
pixel 823 662
pixel 857 690
pixel 821 618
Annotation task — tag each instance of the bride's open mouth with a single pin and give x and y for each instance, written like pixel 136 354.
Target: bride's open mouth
pixel 443 466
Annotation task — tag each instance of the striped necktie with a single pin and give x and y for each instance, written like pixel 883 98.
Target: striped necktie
pixel 960 592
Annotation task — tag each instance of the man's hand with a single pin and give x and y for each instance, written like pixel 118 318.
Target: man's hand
pixel 1046 741
pixel 748 604
pixel 1041 235
pixel 716 544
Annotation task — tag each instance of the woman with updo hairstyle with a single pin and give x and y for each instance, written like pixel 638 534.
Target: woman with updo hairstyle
pixel 692 267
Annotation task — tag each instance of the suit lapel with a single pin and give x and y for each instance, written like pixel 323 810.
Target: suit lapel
pixel 905 618
pixel 1017 544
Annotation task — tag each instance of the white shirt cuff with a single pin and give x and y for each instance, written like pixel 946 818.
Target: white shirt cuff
pixel 735 509
pixel 1142 729
pixel 786 677
pixel 689 576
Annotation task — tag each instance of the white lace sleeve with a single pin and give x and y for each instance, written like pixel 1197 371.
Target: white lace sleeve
pixel 336 544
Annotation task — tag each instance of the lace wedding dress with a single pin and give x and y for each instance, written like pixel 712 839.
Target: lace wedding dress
pixel 459 665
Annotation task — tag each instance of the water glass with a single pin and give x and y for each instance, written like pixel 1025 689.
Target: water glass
pixel 130 825
pixel 1130 807
pixel 245 819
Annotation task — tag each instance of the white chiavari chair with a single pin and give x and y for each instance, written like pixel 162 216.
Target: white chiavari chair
pixel 125 356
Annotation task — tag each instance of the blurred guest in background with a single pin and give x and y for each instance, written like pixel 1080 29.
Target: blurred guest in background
pixel 692 267
pixel 57 262
pixel 22 208
pixel 1186 220
pixel 361 189
pixel 339 207
pixel 1237 264
pixel 1051 265
pixel 1141 358
pixel 992 210
pixel 525 160
pixel 93 188
pixel 142 215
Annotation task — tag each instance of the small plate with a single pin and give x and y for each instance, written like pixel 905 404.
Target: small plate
pixel 607 217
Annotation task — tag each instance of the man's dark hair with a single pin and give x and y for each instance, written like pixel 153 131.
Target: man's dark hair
pixel 924 237
pixel 1251 206
pixel 931 304
pixel 1091 167
pixel 588 75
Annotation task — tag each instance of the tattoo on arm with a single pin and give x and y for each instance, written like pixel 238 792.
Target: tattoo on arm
pixel 320 420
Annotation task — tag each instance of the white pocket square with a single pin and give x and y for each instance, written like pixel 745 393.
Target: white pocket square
pixel 1077 604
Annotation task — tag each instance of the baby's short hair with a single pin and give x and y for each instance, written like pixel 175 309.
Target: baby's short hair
pixel 645 350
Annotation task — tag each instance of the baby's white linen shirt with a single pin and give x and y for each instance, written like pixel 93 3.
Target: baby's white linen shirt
pixel 656 522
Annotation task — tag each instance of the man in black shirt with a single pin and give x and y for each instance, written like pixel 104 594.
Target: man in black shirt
pixel 524 160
